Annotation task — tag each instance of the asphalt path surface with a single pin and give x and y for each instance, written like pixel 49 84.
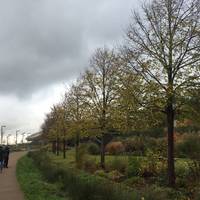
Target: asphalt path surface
pixel 9 187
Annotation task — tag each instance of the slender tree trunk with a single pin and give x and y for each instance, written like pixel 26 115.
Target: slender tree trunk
pixel 58 147
pixel 54 146
pixel 103 119
pixel 77 142
pixel 64 148
pixel 102 152
pixel 170 126
pixel 170 109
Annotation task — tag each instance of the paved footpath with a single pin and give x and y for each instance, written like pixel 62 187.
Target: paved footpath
pixel 9 187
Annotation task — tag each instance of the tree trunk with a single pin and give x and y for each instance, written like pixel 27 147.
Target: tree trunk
pixel 102 152
pixel 170 126
pixel 57 147
pixel 54 147
pixel 77 147
pixel 64 148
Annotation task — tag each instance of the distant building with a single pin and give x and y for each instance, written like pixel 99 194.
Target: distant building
pixel 36 138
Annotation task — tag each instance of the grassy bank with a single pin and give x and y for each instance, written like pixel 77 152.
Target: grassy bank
pixel 89 187
pixel 115 183
pixel 127 170
pixel 33 183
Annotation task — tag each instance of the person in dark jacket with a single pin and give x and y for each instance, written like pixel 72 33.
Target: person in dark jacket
pixel 6 156
pixel 1 158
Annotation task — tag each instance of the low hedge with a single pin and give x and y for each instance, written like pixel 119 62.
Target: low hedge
pixel 80 185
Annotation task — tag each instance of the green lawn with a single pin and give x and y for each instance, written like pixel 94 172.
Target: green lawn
pixel 33 184
pixel 70 159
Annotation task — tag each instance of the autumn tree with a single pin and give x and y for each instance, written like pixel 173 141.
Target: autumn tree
pixel 47 131
pixel 99 88
pixel 55 128
pixel 163 46
pixel 136 105
pixel 61 124
pixel 76 112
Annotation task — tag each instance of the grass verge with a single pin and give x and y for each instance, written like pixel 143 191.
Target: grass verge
pixel 33 183
pixel 79 184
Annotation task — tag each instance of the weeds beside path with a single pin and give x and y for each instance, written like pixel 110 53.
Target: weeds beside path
pixel 33 183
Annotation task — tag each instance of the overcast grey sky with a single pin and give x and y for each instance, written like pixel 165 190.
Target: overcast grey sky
pixel 46 43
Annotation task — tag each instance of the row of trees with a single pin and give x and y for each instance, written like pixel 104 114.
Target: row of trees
pixel 146 83
pixel 107 97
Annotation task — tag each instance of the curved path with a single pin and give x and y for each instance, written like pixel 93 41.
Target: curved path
pixel 9 187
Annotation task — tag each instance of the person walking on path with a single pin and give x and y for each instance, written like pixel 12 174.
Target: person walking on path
pixel 6 156
pixel 1 158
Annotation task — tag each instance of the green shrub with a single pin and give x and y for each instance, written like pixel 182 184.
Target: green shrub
pixel 89 165
pixel 138 145
pixel 196 193
pixel 181 169
pixel 194 171
pixel 115 176
pixel 135 145
pixel 118 164
pixel 157 145
pixel 153 164
pixel 182 173
pixel 44 163
pixel 134 167
pixel 101 173
pixel 157 193
pixel 181 182
pixel 135 181
pixel 189 147
pixel 91 187
pixel 81 156
pixel 93 149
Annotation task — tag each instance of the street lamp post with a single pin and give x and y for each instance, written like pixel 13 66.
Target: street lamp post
pixel 2 133
pixel 22 141
pixel 16 136
pixel 8 138
pixel 28 145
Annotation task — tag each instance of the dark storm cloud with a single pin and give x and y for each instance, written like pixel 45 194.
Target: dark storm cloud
pixel 43 42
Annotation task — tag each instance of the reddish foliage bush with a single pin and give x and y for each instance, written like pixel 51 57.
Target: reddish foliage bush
pixel 114 148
